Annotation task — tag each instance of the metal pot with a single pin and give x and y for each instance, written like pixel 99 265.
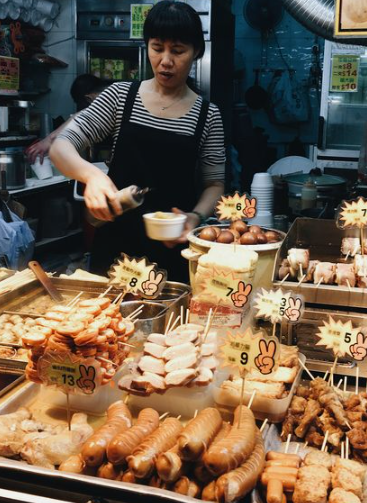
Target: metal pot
pixel 14 166
pixel 174 295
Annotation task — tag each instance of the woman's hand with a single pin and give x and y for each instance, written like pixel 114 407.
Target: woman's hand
pixel 192 221
pixel 39 149
pixel 100 196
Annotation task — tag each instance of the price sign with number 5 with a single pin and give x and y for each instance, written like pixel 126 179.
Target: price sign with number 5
pixel 137 276
pixel 343 339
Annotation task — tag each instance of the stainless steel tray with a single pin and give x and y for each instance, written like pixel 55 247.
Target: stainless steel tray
pixel 323 239
pixel 48 480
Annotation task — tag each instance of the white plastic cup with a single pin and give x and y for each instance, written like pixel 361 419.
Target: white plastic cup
pixel 25 15
pixel 44 170
pixel 26 4
pixel 35 17
pixel 164 229
pixel 14 11
pixel 46 8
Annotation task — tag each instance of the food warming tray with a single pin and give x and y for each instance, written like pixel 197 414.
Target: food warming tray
pixel 323 239
pixel 80 488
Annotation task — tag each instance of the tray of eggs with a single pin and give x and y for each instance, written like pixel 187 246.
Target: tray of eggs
pixel 238 232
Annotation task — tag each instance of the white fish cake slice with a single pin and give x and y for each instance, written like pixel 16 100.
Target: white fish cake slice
pixel 180 377
pixel 174 339
pixel 204 377
pixel 152 349
pixel 181 362
pixel 151 364
pixel 157 339
pixel 207 349
pixel 155 380
pixel 209 362
pixel 179 350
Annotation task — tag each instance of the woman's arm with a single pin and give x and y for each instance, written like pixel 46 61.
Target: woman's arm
pixel 100 191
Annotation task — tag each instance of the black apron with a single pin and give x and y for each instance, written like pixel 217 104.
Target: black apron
pixel 164 161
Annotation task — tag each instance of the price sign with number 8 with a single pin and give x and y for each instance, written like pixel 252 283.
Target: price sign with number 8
pixel 137 276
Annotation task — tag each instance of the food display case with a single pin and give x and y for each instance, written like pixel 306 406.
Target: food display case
pixel 323 239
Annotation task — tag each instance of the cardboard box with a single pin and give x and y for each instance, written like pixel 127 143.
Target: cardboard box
pixel 9 74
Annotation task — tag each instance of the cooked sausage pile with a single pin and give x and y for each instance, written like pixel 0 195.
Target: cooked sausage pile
pixel 179 358
pixel 13 326
pixel 208 459
pixel 93 328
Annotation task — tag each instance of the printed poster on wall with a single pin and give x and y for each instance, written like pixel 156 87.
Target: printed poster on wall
pixel 344 73
pixel 350 18
pixel 138 14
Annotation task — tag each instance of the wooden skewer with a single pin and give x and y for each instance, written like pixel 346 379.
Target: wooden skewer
pixel 284 279
pixel 126 399
pixel 100 358
pixel 347 448
pixel 342 450
pixel 187 316
pixel 301 268
pixel 345 384
pixel 297 449
pixel 179 417
pixel 287 443
pixel 251 399
pixel 348 424
pixel 306 369
pixel 137 310
pixel 163 416
pixel 325 441
pixel 319 283
pixel 135 317
pixel 75 299
pixel 357 379
pixel 347 255
pixel 301 280
pixel 305 445
pixel 168 324
pixel 195 413
pixel 332 370
pixel 105 292
pixel 263 425
pixel 182 314
pixel 119 296
pixel 325 375
pixel 339 383
pixel 176 322
pixel 126 344
pixel 349 287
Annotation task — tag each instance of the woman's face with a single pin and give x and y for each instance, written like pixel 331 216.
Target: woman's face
pixel 171 61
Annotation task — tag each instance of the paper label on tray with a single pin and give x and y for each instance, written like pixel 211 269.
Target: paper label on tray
pixel 276 305
pixel 343 339
pixel 352 213
pixel 137 276
pixel 247 351
pixel 236 207
pixel 70 373
pixel 224 287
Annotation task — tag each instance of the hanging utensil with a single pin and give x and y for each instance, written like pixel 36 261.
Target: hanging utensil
pixel 45 281
pixel 256 97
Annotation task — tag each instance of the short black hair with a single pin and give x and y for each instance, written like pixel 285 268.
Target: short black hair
pixel 85 84
pixel 170 20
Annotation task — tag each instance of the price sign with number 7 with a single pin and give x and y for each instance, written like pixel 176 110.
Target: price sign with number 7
pixel 137 276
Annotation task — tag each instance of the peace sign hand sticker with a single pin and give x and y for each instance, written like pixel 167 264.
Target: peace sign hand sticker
pixel 240 297
pixel 86 380
pixel 359 349
pixel 293 312
pixel 250 207
pixel 150 287
pixel 265 359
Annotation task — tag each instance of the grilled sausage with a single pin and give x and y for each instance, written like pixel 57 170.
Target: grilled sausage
pixel 187 487
pixel 124 443
pixel 199 433
pixel 109 471
pixel 118 420
pixel 169 465
pixel 142 460
pixel 236 447
pixel 74 464
pixel 239 482
pixel 208 493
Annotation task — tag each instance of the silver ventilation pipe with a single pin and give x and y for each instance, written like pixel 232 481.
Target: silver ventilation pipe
pixel 318 16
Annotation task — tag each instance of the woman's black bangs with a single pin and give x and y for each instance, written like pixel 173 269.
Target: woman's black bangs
pixel 172 25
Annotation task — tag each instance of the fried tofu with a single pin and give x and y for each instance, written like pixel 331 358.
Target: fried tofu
pixel 348 481
pixel 338 495
pixel 316 457
pixel 312 485
pixel 353 466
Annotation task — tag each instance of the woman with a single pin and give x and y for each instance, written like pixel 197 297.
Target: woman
pixel 165 137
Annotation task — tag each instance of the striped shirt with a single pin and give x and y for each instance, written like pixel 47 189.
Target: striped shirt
pixel 103 118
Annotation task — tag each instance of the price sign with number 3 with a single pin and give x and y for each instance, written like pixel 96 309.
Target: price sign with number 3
pixel 137 276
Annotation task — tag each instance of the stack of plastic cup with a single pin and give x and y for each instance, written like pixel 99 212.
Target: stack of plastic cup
pixel 262 188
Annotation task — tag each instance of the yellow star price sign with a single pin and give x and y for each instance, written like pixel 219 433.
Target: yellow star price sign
pixel 137 276
pixel 274 305
pixel 227 289
pixel 352 213
pixel 234 207
pixel 246 351
pixel 342 338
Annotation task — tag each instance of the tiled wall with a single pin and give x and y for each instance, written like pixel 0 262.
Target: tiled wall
pixel 296 45
pixel 60 43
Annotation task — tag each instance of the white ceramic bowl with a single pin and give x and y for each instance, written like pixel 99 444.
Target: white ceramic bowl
pixel 164 229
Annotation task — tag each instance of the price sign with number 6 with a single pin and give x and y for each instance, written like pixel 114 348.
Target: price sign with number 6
pixel 137 276
pixel 235 207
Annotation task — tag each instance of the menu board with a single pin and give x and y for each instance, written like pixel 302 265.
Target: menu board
pixel 138 14
pixel 344 73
